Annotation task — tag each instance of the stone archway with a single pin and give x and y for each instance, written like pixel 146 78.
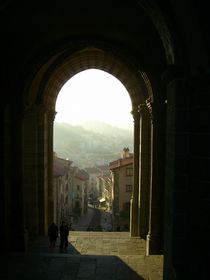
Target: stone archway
pixel 40 99
pixel 157 36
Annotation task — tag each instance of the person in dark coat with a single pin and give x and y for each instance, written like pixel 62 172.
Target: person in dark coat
pixel 64 232
pixel 52 234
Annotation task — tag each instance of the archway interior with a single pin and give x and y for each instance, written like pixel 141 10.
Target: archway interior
pixel 43 94
pixel 66 66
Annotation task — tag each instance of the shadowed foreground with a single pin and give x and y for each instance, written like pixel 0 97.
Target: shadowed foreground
pixel 90 255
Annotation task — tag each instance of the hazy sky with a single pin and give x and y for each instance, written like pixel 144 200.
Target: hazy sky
pixel 94 95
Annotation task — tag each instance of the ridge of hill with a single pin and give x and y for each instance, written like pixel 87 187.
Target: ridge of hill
pixel 93 143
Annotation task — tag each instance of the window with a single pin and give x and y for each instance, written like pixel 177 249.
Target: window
pixel 129 171
pixel 128 188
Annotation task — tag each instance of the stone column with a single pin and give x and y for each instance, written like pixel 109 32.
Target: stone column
pixel 177 197
pixel 50 122
pixel 157 180
pixel 196 186
pixel 30 171
pixel 115 205
pixel 145 169
pixel 134 210
pixel 42 170
pixel 11 188
pixel 187 204
pixel 149 234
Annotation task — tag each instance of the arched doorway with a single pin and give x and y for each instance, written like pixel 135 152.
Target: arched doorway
pixel 33 49
pixel 146 203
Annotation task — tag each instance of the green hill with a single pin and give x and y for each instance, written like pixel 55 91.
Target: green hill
pixel 90 143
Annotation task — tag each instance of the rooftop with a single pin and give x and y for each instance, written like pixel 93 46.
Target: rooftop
pixel 121 162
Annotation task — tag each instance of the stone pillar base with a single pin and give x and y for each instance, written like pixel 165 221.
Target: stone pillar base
pixel 147 244
pixel 153 245
pixel 134 232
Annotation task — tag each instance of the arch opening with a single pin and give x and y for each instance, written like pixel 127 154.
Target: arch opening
pixel 96 106
pixel 41 102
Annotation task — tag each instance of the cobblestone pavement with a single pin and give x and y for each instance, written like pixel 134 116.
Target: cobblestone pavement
pixel 90 256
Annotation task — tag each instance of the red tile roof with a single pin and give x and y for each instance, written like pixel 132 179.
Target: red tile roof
pixel 121 162
pixel 60 166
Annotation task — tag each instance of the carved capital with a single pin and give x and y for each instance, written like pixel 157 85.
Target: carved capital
pixel 135 113
pixel 147 105
pixel 51 115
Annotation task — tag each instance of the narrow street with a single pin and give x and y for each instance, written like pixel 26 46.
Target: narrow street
pixel 95 223
pixel 96 219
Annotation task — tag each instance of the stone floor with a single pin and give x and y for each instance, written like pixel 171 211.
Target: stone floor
pixel 90 256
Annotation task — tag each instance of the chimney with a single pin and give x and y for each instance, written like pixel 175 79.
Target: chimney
pixel 125 152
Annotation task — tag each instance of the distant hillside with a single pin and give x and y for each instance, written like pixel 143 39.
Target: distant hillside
pixel 92 143
pixel 104 128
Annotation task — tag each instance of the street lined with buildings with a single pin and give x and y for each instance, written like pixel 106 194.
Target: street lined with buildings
pixel 107 187
pixel 96 203
pixel 102 221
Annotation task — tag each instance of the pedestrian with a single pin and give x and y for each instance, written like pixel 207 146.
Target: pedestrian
pixel 52 234
pixel 64 232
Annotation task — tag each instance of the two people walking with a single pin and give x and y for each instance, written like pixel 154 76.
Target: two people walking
pixel 53 235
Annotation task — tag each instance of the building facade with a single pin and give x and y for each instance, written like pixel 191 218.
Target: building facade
pixel 105 192
pixel 63 187
pixel 122 188
pixel 79 192
pixel 70 191
pixel 93 183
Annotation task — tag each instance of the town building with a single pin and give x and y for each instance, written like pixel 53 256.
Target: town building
pixel 105 191
pixel 70 190
pixel 122 188
pixel 93 184
pixel 79 192
pixel 62 181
